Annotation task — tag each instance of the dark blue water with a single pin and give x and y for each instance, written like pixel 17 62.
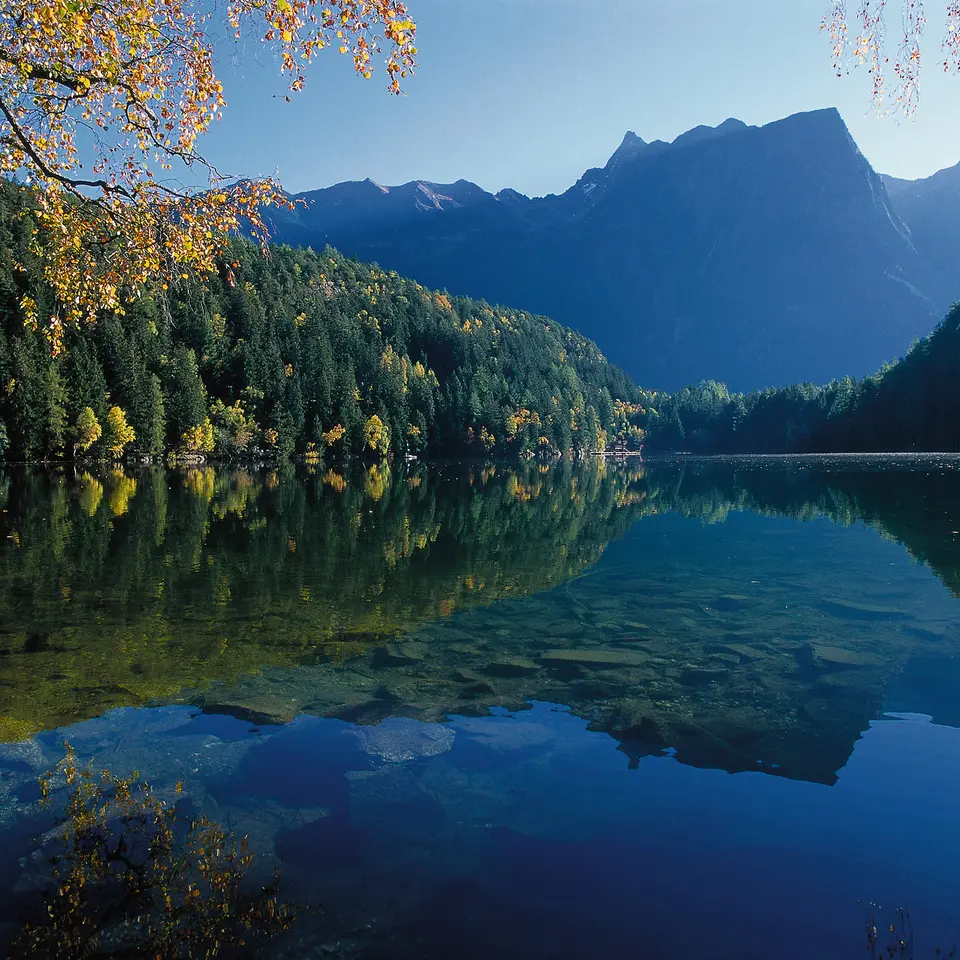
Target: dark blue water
pixel 724 736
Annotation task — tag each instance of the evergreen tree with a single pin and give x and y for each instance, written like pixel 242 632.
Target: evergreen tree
pixel 184 396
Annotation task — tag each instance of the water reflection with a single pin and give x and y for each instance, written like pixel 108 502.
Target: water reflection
pixel 742 640
pixel 121 588
pixel 524 835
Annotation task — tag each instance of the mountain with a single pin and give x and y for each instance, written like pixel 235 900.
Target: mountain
pixel 362 206
pixel 931 209
pixel 754 255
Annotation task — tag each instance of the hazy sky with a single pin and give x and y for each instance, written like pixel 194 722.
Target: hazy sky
pixel 530 93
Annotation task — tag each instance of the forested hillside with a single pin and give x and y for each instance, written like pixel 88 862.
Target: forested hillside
pixel 297 352
pixel 908 405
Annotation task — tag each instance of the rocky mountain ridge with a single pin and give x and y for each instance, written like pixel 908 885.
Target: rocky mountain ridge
pixel 754 255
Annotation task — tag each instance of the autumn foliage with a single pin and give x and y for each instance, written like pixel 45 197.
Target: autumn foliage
pixel 860 38
pixel 119 433
pixel 133 877
pixel 102 105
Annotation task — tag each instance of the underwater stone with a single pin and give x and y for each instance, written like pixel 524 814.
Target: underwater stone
pixel 846 658
pixel 466 676
pixel 567 629
pixel 596 656
pixel 398 655
pixel 512 667
pixel 507 733
pixel 922 633
pixel 398 739
pixel 862 611
pixel 702 675
pixel 745 653
pixel 732 601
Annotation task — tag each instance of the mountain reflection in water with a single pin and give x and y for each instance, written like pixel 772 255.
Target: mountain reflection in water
pixel 376 592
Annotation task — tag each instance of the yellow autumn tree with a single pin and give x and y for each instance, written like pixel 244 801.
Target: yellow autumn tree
pixel 198 439
pixel 334 434
pixel 376 481
pixel 376 435
pixel 102 102
pixel 119 433
pixel 87 430
pixel 858 34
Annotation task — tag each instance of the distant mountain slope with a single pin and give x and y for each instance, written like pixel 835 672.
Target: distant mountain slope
pixel 931 209
pixel 357 207
pixel 756 256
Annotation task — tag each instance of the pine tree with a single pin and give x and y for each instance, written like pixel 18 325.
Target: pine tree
pixel 185 398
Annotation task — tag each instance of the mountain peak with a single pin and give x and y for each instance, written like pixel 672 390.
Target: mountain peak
pixel 511 196
pixel 704 132
pixel 629 147
pixel 825 119
pixel 817 133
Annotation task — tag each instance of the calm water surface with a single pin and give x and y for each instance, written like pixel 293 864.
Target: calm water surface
pixel 689 708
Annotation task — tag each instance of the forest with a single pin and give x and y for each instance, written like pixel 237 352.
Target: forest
pixel 907 405
pixel 295 352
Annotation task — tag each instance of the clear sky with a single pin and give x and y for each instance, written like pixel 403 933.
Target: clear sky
pixel 530 93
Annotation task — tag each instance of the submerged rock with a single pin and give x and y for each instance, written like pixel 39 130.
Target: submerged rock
pixel 698 676
pixel 745 652
pixel 511 667
pixel 730 602
pixel 398 739
pixel 862 611
pixel 840 657
pixel 568 629
pixel 399 654
pixel 596 657
pixel 507 733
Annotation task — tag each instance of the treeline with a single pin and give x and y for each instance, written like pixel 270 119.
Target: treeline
pixel 912 404
pixel 297 352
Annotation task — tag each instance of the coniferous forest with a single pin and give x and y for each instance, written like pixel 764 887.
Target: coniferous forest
pixel 297 352
pixel 908 405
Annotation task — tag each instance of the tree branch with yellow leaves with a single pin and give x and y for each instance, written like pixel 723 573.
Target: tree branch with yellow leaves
pixel 859 37
pixel 139 76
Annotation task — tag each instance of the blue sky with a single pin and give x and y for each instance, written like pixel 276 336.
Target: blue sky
pixel 530 93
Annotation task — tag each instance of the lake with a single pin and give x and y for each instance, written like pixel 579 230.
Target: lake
pixel 683 708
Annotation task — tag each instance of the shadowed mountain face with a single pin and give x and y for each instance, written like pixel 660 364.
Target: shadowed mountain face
pixel 677 605
pixel 755 256
pixel 931 209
